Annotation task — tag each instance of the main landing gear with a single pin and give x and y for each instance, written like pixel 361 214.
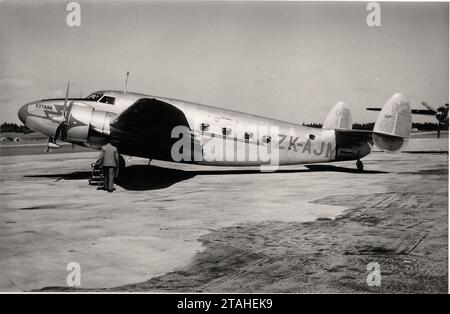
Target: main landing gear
pixel 360 165
pixel 122 163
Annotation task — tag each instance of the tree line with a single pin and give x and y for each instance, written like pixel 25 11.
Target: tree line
pixel 421 126
pixel 14 128
pixel 426 126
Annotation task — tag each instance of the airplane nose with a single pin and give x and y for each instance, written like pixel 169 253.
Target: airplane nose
pixel 22 114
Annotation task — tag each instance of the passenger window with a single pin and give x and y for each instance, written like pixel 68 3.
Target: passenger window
pixel 205 127
pixel 226 131
pixel 107 100
pixel 266 139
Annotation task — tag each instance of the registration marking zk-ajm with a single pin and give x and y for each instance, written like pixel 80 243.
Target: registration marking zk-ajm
pixel 326 148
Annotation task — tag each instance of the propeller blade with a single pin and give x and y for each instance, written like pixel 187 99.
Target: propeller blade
pixel 439 130
pixel 54 145
pixel 63 114
pixel 428 106
pixel 47 148
pixel 60 130
pixel 51 144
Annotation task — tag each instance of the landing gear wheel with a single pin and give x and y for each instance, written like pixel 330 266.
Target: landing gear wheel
pixel 360 165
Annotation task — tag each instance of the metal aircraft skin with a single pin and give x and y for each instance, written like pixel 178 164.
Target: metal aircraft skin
pixel 441 114
pixel 141 125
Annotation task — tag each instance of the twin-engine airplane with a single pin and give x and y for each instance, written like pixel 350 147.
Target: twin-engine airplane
pixel 143 125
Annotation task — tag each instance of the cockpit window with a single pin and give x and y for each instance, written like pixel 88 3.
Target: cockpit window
pixel 107 100
pixel 94 97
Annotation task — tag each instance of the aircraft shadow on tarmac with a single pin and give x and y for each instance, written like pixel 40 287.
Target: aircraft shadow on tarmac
pixel 143 177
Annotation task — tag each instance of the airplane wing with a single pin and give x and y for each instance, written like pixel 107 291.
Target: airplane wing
pixel 145 128
pixel 148 118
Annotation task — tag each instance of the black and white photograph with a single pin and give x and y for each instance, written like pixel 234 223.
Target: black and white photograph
pixel 205 149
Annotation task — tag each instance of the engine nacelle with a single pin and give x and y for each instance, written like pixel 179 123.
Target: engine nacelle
pixel 87 126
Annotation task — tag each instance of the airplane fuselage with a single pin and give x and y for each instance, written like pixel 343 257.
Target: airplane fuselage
pixel 239 134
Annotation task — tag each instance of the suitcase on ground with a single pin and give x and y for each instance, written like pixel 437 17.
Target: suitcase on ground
pixel 96 177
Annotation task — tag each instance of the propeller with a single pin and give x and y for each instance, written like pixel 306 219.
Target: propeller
pixel 441 115
pixel 63 114
pixel 47 146
pixel 62 119
pixel 51 144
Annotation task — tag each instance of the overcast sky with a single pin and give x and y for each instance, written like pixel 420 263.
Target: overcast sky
pixel 290 61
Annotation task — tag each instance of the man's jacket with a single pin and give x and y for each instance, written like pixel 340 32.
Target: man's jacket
pixel 109 157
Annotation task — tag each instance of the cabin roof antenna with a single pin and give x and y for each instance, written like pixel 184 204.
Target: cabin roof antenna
pixel 126 82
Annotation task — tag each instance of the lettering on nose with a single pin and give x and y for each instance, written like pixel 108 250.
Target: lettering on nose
pixel 45 107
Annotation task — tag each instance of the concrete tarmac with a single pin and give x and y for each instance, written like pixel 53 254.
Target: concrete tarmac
pixel 172 227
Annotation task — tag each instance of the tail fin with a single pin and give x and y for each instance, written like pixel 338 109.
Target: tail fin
pixel 339 117
pixel 393 126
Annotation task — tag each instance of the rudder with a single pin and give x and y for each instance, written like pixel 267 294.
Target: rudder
pixel 339 117
pixel 393 126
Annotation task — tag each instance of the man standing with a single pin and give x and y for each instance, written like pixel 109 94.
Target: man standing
pixel 109 160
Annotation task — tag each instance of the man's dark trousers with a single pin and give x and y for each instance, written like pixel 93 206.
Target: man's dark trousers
pixel 109 173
